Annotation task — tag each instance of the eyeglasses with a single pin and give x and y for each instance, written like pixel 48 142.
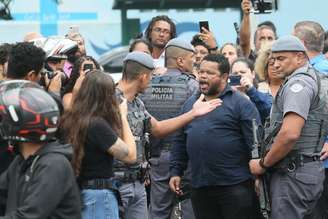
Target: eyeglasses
pixel 159 30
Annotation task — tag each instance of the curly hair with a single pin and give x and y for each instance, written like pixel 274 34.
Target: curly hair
pixel 160 18
pixel 4 52
pixel 76 73
pixel 23 58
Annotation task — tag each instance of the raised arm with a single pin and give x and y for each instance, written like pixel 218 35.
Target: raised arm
pixel 245 28
pixel 124 149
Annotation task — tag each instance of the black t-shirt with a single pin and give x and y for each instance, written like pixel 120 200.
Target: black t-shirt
pixel 97 162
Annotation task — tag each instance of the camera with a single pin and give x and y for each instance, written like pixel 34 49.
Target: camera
pixel 234 80
pixel 264 6
pixel 50 75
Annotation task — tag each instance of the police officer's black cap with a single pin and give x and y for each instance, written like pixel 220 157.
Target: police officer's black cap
pixel 288 44
pixel 141 58
pixel 180 43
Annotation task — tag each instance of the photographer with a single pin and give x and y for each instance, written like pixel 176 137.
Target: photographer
pixel 244 68
pixel 265 31
pixel 26 61
pixel 56 49
pixel 81 67
pixel 75 54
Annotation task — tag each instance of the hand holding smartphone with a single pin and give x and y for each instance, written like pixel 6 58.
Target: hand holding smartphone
pixel 203 24
pixel 73 29
pixel 87 67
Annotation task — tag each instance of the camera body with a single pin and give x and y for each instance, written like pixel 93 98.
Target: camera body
pixel 234 80
pixel 50 75
pixel 264 6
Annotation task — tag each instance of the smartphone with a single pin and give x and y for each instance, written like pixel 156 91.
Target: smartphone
pixel 203 24
pixel 87 67
pixel 234 80
pixel 73 29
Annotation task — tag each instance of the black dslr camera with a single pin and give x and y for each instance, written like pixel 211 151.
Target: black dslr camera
pixel 50 75
pixel 264 6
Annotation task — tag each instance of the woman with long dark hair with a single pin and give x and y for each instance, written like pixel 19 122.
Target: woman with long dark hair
pixel 98 129
pixel 244 68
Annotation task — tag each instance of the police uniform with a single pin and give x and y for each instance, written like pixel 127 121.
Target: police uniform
pixel 132 191
pixel 163 99
pixel 296 180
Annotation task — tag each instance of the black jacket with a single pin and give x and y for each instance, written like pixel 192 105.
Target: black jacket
pixel 43 186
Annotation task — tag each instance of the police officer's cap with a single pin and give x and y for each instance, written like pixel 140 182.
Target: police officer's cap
pixel 180 43
pixel 141 58
pixel 288 44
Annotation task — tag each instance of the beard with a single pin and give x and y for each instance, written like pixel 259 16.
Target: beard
pixel 213 91
pixel 208 89
pixel 159 44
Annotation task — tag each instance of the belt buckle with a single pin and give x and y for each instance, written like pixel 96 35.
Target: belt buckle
pixel 291 167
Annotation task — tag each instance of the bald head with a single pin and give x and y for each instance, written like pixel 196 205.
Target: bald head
pixel 32 36
pixel 172 54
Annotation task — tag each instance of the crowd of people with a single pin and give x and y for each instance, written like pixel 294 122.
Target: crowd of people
pixel 192 129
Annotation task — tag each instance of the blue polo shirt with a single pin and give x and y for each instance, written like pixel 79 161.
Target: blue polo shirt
pixel 320 63
pixel 218 144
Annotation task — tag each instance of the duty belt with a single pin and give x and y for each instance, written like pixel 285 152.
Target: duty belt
pixel 127 176
pixel 109 183
pixel 291 163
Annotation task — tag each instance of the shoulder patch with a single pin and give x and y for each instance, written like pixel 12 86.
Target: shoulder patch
pixel 296 87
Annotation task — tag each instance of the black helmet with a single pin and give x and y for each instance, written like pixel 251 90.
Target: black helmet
pixel 27 112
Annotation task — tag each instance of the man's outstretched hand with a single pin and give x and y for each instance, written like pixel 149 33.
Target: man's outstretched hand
pixel 202 107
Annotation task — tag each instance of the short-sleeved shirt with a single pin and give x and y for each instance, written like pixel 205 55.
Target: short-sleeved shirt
pixel 320 63
pixel 97 162
pixel 137 119
pixel 298 93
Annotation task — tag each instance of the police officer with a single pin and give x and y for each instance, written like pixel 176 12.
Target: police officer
pixel 297 114
pixel 163 99
pixel 137 72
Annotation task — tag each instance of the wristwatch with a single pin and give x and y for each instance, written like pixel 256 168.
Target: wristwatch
pixel 262 164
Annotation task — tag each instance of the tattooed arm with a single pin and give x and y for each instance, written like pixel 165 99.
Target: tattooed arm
pixel 124 149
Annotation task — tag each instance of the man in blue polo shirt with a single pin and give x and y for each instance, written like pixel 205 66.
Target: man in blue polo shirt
pixel 218 146
pixel 312 35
